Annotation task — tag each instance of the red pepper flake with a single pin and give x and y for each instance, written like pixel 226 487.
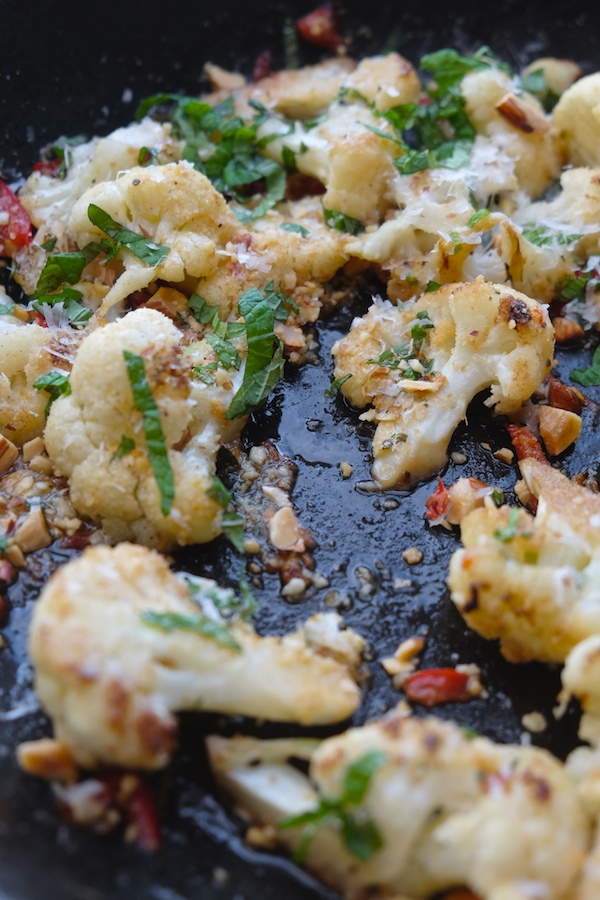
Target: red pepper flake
pixel 526 444
pixel 15 224
pixel 320 27
pixel 437 503
pixel 262 66
pixel 142 815
pixel 430 687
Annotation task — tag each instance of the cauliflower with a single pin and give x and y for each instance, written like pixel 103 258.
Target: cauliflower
pixel 27 352
pixel 87 429
pixel 49 200
pixel 412 807
pixel 307 92
pixel 516 126
pixel 355 164
pixel 421 365
pixel 120 643
pixel 173 205
pixel 577 117
pixel 531 581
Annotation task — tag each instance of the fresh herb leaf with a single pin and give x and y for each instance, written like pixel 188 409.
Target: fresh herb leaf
pixel 65 268
pixel 398 438
pixel 510 531
pixel 534 82
pixel 456 242
pixel 336 384
pixel 148 251
pixel 158 454
pixel 264 363
pixel 7 308
pixel 591 376
pixel 432 286
pixel 233 529
pixel 419 329
pixel 293 226
pixel 202 311
pixel 219 493
pixel 477 217
pixel 226 352
pixel 448 67
pixel 341 222
pixel 197 624
pixel 125 447
pixel 204 373
pixel 3 546
pixel 573 287
pixel 57 384
pixel 540 235
pixel 498 496
pixel 75 311
pixel 360 835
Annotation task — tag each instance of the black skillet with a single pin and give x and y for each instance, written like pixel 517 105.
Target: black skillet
pixel 71 69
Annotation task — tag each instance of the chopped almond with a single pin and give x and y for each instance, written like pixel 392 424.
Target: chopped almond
pixel 524 117
pixel 47 758
pixel 564 396
pixel 559 428
pixel 32 533
pixel 566 331
pixel 8 454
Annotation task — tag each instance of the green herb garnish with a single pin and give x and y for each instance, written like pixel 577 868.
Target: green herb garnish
pixel 510 531
pixel 7 308
pixel 336 384
pixel 477 217
pixel 197 624
pixel 125 447
pixel 341 222
pixel 294 227
pixel 148 251
pixel 591 376
pixel 158 455
pixel 360 835
pixel 57 384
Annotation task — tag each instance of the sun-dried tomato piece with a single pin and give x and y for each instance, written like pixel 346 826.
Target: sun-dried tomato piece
pixel 15 224
pixel 321 27
pixel 430 687
pixel 438 501
pixel 262 66
pixel 526 444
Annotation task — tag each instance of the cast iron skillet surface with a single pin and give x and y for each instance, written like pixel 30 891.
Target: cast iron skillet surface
pixel 69 69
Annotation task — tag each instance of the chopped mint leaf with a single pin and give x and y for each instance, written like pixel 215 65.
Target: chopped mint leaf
pixel 293 226
pixel 57 384
pixel 590 376
pixel 510 531
pixel 197 623
pixel 336 384
pixel 125 447
pixel 145 249
pixel 477 217
pixel 341 222
pixel 158 455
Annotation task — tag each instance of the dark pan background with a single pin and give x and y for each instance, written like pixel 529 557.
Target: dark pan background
pixel 69 68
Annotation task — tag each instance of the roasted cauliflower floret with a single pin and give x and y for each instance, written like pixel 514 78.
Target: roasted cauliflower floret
pixel 85 433
pixel 531 581
pixel 516 125
pixel 420 366
pixel 354 163
pixel 174 206
pixel 49 200
pixel 421 809
pixel 27 352
pixel 577 117
pixel 120 644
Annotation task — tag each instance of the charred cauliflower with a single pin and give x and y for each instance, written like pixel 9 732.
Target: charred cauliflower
pixel 421 364
pixel 98 437
pixel 532 581
pixel 413 807
pixel 120 644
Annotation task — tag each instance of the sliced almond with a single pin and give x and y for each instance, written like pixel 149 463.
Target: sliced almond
pixel 33 448
pixel 559 428
pixel 8 454
pixel 520 114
